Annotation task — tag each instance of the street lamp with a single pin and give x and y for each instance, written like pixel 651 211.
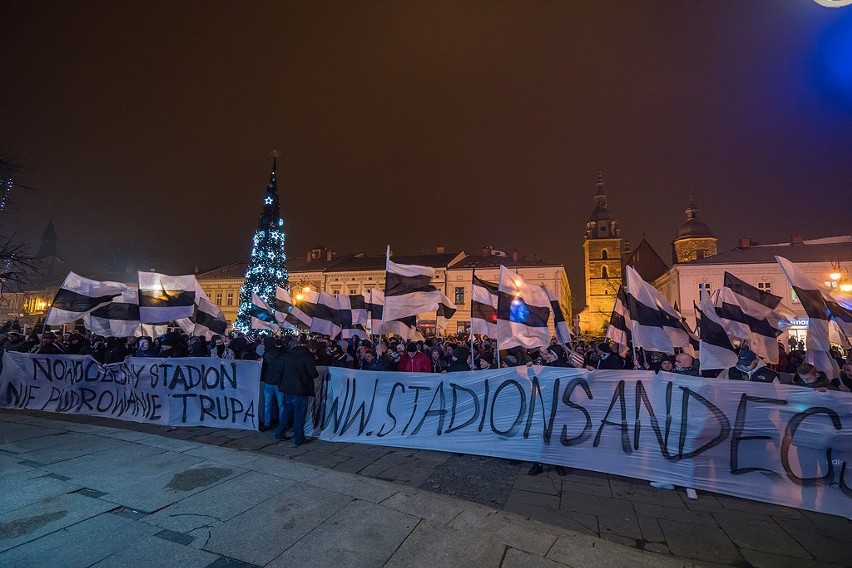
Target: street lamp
pixel 839 277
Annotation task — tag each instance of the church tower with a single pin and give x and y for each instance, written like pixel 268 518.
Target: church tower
pixel 602 251
pixel 47 249
pixel 693 239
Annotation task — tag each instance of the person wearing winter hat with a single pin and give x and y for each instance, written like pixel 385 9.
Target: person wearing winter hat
pixel 750 367
pixel 606 359
pixel 460 361
pixel 414 361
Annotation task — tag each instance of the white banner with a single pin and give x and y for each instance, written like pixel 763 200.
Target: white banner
pixel 774 443
pixel 191 391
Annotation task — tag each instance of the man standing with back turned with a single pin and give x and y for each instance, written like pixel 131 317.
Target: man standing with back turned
pixel 297 384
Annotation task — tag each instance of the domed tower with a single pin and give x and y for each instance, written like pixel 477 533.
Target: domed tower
pixel 694 239
pixel 602 251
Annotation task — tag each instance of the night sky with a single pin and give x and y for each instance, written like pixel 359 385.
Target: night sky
pixel 147 127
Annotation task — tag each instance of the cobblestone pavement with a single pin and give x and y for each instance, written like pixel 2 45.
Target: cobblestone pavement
pixel 715 530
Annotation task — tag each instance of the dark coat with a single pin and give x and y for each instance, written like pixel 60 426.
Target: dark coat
pixel 821 382
pixel 612 362
pixel 299 372
pixel 761 375
pixel 843 380
pixel 273 366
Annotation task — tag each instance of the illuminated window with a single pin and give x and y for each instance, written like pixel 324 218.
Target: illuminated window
pixel 229 299
pixel 218 298
pixel 459 295
pixel 765 286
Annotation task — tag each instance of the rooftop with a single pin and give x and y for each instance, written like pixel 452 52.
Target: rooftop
pixel 814 250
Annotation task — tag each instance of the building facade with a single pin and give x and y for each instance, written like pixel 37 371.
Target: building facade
pixel 685 283
pixel 693 240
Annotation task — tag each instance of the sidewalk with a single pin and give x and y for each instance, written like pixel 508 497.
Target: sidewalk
pixel 81 493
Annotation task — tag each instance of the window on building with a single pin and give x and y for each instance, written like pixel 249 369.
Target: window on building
pixel 218 298
pixel 459 295
pixel 462 327
pixel 353 290
pixel 765 286
pixel 604 254
pixel 229 299
pixel 703 288
pixel 604 272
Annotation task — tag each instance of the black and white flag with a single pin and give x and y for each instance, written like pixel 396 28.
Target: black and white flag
pixel 352 316
pixel 750 314
pixel 523 312
pixel 446 310
pixel 715 350
pixel 404 327
pixel 618 329
pixel 287 312
pixel 563 332
pixel 163 298
pixel 408 293
pixel 483 307
pixel 209 319
pixel 654 324
pixel 322 308
pixel 818 341
pixel 262 316
pixel 78 296
pixel 375 305
pixel 119 318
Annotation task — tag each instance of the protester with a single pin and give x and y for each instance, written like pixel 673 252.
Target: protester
pixel 271 371
pixel 750 367
pixel 297 384
pixel 414 361
pixel 808 376
pixel 844 382
pixel 605 358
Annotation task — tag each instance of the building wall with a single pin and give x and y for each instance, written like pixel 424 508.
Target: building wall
pixel 686 250
pixel 603 277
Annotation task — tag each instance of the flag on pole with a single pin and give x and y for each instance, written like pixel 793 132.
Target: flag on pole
pixel 322 308
pixel 563 332
pixel 750 314
pixel 352 316
pixel 446 310
pixel 408 292
pixel 119 318
pixel 522 313
pixel 262 316
pixel 79 296
pixel 375 304
pixel 654 324
pixel 715 350
pixel 163 298
pixel 618 329
pixel 818 342
pixel 209 319
pixel 483 307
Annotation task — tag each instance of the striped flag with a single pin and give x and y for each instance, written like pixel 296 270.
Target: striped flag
pixel 78 296
pixel 322 308
pixel 715 350
pixel 522 313
pixel 563 332
pixel 404 327
pixel 839 306
pixel 408 292
pixel 286 311
pixel 618 329
pixel 483 307
pixel 818 342
pixel 446 310
pixel 262 316
pixel 163 298
pixel 119 318
pixel 654 324
pixel 352 316
pixel 209 319
pixel 750 314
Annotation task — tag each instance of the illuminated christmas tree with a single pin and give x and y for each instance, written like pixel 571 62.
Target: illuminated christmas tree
pixel 267 268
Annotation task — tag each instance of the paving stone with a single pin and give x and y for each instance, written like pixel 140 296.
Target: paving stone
pixel 223 455
pixel 435 508
pixel 285 449
pixel 220 503
pixel 586 476
pixel 287 517
pixel 657 547
pixel 580 550
pixel 76 446
pixel 153 493
pixel 508 529
pixel 413 476
pixel 362 534
pixel 46 516
pixel 756 507
pixel 515 558
pixel 23 493
pixel 754 534
pixel 537 484
pixel 10 432
pixel 436 545
pixel 154 551
pixel 705 502
pixel 366 451
pixel 680 515
pixel 622 540
pixel 354 465
pixel 650 528
pixel 354 485
pixel 596 505
pixel 599 489
pixel 760 559
pixel 32 444
pixel 579 522
pixel 79 545
pixel 646 494
pixel 622 526
pixel 539 499
pixel 11 465
pixel 701 543
pixel 283 467
pixel 479 479
pixel 825 544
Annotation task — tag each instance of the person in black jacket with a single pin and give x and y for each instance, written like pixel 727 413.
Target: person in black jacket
pixel 749 367
pixel 297 384
pixel 270 375
pixel 606 359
